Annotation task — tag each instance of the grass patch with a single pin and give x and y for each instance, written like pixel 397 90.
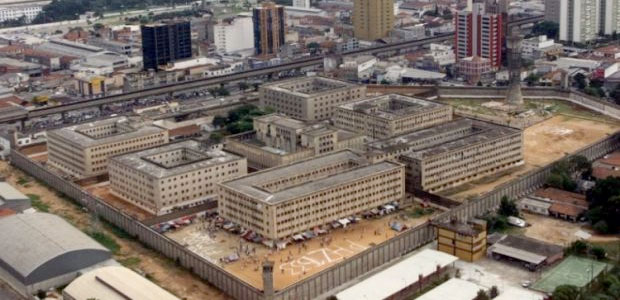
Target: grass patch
pixel 23 180
pixel 106 240
pixel 35 201
pixel 612 248
pixel 419 212
pixel 130 261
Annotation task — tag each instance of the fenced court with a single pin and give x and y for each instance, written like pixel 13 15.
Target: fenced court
pixel 573 270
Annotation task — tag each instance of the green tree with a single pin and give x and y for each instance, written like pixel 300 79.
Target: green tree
pixel 598 252
pixel 98 26
pixel 566 292
pixel 548 28
pixel 604 200
pixel 580 81
pixel 493 292
pixel 482 295
pixel 615 94
pixel 219 121
pixel 507 207
pixel 216 137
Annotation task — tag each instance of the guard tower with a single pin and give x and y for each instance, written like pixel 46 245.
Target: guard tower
pixel 513 50
pixel 268 291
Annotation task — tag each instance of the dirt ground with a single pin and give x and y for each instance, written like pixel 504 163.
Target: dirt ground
pixel 559 232
pixel 543 143
pixel 297 261
pixel 561 135
pixel 156 267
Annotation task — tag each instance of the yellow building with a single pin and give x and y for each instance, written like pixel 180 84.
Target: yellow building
pixel 467 241
pixel 373 19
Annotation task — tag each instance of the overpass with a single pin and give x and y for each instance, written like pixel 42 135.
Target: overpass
pixel 201 83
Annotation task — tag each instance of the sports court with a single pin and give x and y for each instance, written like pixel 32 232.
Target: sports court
pixel 573 270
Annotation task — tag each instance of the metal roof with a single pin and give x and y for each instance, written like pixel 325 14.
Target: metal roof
pixel 519 254
pixel 40 246
pixel 8 192
pixel 399 276
pixel 453 289
pixel 115 283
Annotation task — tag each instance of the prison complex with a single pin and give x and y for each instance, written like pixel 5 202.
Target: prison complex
pixel 390 115
pixel 279 140
pixel 309 98
pixel 83 150
pixel 286 200
pixel 173 176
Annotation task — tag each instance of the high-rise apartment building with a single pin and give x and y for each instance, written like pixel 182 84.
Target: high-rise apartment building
pixel 165 42
pixel 479 33
pixel 234 34
pixel 579 20
pixel 552 10
pixel 373 19
pixel 268 29
pixel 609 16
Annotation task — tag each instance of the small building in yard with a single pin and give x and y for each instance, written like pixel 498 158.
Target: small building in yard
pixel 453 289
pixel 531 252
pixel 467 241
pixel 114 283
pixel 42 251
pixel 402 279
pixel 12 199
pixel 564 205
pixel 534 205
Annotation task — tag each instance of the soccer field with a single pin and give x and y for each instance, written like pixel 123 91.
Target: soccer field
pixel 573 270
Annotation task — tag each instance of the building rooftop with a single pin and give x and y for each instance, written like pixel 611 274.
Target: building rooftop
pixel 530 245
pixel 453 289
pixel 107 131
pixel 398 276
pixel 39 245
pixel 404 141
pixel 309 86
pixel 391 106
pixel 254 185
pixel 115 283
pixel 481 132
pixel 459 227
pixel 174 159
pixel 8 192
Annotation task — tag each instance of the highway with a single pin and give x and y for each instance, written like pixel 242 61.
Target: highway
pixel 213 81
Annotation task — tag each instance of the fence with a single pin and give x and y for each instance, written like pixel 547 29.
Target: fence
pixel 206 270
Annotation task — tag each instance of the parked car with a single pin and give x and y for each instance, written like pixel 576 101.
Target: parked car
pixel 514 221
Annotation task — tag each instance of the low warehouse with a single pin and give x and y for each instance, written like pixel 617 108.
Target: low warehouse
pixel 114 283
pixel 42 251
pixel 532 253
pixel 402 279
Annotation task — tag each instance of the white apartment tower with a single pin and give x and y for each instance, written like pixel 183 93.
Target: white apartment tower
pixel 609 16
pixel 234 35
pixel 579 20
pixel 301 3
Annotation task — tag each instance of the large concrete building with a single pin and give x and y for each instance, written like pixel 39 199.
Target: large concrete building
pixel 165 42
pixel 390 115
pixel 452 153
pixel 40 251
pixel 114 283
pixel 373 19
pixel 279 140
pixel 283 201
pixel 83 150
pixel 309 98
pixel 173 176
pixel 467 241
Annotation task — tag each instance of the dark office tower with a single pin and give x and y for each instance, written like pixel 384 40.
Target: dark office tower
pixel 165 42
pixel 268 29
